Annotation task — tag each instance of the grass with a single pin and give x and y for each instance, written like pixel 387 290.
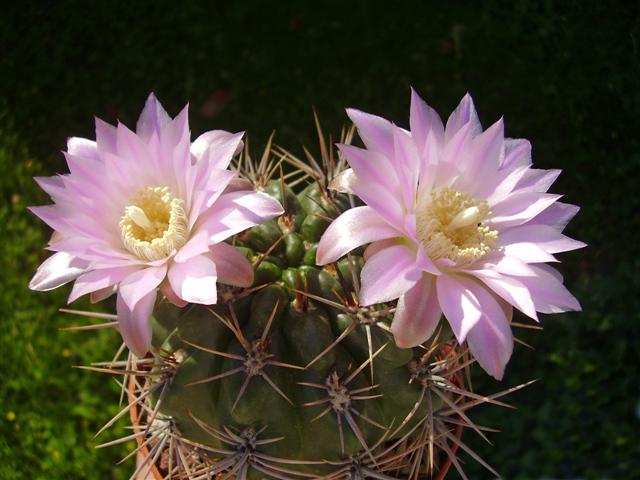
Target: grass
pixel 564 74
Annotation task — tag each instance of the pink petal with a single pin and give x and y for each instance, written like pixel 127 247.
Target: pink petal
pixel 457 145
pixel 194 281
pixel 55 271
pixel 544 237
pixel 407 162
pixel 135 325
pixel 196 245
pixel 503 184
pixel 464 115
pixel 417 314
pixel 376 132
pixel 138 284
pixel 548 293
pixel 510 289
pixel 551 271
pixel 517 152
pixel 232 267
pixel 528 252
pixel 372 166
pixel 353 228
pixel 423 119
pixel 536 180
pixel 519 208
pixel 509 266
pixel 344 181
pixel 135 158
pixel 387 205
pixel 484 158
pixel 105 137
pixel 168 292
pixel 557 215
pixel 99 280
pixel 83 148
pixel 208 190
pixel 236 211
pixel 237 183
pixel 102 294
pixel 152 119
pixel 375 247
pixel 459 305
pixel 54 187
pixel 424 263
pixel 388 274
pixel 491 339
pixel 217 147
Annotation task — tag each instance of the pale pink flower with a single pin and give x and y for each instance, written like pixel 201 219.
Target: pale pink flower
pixel 459 224
pixel 146 210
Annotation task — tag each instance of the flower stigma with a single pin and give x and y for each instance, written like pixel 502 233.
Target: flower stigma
pixel 154 224
pixel 449 225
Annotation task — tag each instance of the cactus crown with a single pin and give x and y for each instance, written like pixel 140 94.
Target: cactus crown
pixel 292 378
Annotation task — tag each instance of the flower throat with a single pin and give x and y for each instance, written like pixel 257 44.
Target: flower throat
pixel 449 224
pixel 154 224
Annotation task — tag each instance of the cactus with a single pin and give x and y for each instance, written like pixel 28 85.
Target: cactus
pixel 291 378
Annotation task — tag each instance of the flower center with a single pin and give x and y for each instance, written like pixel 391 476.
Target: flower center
pixel 154 224
pixel 449 224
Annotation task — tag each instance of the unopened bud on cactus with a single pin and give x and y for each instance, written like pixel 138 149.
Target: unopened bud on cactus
pixel 284 316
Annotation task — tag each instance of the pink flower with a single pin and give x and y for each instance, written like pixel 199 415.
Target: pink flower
pixel 459 224
pixel 147 210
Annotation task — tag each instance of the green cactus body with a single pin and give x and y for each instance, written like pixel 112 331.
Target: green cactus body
pixel 269 361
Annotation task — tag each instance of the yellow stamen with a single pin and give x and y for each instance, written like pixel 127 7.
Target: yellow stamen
pixel 155 224
pixel 449 224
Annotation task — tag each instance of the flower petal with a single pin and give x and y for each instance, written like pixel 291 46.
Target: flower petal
pixel 138 284
pixel 217 147
pixel 236 211
pixel 510 289
pixel 194 281
pixel 517 152
pixel 407 160
pixel 423 119
pixel 344 181
pixel 557 215
pixel 536 180
pixel 152 119
pixel 376 132
pixel 519 208
pixel 543 237
pixel 491 339
pixel 135 324
pixel 464 114
pixel 417 314
pixel 548 293
pixel 99 280
pixel 58 269
pixel 196 245
pixel 232 267
pixel 168 292
pixel 83 148
pixel 353 228
pixel 388 274
pixel 459 305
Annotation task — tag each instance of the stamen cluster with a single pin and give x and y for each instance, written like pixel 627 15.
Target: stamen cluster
pixel 449 224
pixel 154 224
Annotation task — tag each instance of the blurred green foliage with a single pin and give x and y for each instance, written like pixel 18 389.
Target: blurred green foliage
pixel 565 75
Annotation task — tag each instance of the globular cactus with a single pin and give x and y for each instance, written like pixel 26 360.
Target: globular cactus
pixel 307 373
pixel 292 378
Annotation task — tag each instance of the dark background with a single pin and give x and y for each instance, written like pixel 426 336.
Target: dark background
pixel 564 74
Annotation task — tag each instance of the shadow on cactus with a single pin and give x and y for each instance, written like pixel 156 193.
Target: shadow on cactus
pixel 293 375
